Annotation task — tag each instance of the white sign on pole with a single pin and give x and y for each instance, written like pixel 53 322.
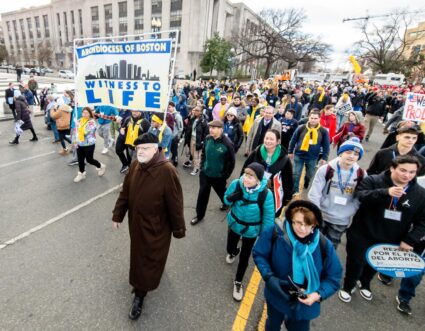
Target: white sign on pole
pixel 414 108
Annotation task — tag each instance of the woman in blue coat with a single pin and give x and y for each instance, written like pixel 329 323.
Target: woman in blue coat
pixel 299 266
pixel 252 209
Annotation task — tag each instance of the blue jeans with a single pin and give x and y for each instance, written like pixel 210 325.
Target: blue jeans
pixel 408 286
pixel 298 168
pixel 54 129
pixel 275 319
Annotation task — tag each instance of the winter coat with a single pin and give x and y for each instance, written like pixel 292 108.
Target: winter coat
pixel 201 132
pixel 253 139
pixel 280 172
pixel 181 106
pixel 23 113
pixel 33 84
pixel 376 106
pixel 322 145
pixel 89 133
pixel 297 107
pixel 315 103
pixel 29 97
pixel 62 116
pixel 383 158
pixel 217 113
pixel 233 130
pixel 329 123
pixel 154 213
pixel 341 136
pixel 218 157
pixel 273 257
pixel 374 198
pixel 249 213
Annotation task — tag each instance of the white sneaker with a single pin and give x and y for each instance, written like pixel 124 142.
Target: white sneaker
pixel 105 150
pixel 366 294
pixel 80 176
pixel 237 291
pixel 111 142
pixel 101 170
pixel 230 258
pixel 345 296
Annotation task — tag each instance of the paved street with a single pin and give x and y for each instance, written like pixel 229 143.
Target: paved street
pixel 72 274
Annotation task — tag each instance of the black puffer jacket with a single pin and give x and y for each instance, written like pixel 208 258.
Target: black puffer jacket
pixel 23 113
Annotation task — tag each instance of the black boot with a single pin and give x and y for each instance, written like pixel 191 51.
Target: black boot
pixel 14 141
pixel 34 138
pixel 136 308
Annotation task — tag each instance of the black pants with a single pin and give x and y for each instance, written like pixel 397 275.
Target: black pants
pixel 63 138
pixel 34 93
pixel 205 184
pixel 174 148
pixel 86 153
pixel 12 108
pixel 121 149
pixel 245 254
pixel 34 135
pixel 356 267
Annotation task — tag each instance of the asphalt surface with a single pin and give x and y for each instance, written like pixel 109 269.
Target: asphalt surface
pixel 73 273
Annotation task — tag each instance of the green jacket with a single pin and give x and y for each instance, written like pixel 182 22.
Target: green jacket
pixel 218 157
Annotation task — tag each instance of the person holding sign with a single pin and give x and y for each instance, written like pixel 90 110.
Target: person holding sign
pixel 333 188
pixel 391 211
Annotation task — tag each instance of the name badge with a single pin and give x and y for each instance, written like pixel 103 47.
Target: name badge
pixel 311 142
pixel 267 175
pixel 340 201
pixel 392 215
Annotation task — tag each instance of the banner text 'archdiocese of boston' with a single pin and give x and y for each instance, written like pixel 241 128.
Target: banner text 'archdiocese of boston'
pixel 129 75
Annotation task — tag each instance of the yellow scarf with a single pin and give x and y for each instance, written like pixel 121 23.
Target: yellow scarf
pixel 313 133
pixel 422 126
pixel 161 133
pixel 132 132
pixel 82 129
pixel 210 103
pixel 249 120
pixel 229 98
pixel 322 96
pixel 222 111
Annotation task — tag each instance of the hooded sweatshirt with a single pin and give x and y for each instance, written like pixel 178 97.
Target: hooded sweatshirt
pixel 328 196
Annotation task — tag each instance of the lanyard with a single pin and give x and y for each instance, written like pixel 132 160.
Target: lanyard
pixel 340 184
pixel 394 156
pixel 394 200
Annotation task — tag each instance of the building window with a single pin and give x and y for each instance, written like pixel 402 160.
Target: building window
pixel 138 24
pixel 108 19
pixel 73 23
pixel 176 5
pixel 122 25
pixel 29 24
pixel 138 8
pixel 122 9
pixel 65 22
pixel 21 24
pixel 8 26
pixel 37 26
pixel 46 26
pixel 80 20
pixel 156 7
pixel 94 13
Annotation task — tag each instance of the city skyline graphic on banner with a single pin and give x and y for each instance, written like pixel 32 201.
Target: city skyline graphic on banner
pixel 122 71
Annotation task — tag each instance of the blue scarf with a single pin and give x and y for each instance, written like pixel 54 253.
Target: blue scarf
pixel 302 261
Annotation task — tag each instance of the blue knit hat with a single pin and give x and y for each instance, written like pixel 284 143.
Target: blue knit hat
pixel 353 144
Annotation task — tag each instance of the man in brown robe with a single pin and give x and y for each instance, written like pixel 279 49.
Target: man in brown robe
pixel 153 197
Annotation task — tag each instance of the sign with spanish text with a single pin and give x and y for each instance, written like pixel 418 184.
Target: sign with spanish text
pixel 129 75
pixel 414 108
pixel 391 261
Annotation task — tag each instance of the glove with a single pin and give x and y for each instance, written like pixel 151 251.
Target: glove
pixel 277 286
pixel 235 196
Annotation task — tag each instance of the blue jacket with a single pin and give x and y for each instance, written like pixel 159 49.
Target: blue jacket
pixel 106 110
pixel 29 97
pixel 313 152
pixel 277 261
pixel 181 107
pixel 249 212
pixel 165 142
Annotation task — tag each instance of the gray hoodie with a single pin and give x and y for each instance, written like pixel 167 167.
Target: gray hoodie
pixel 330 199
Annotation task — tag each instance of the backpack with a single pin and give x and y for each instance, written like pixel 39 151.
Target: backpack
pixel 330 173
pixel 260 201
pixel 322 242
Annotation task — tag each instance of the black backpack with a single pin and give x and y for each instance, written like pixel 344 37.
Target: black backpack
pixel 260 200
pixel 330 173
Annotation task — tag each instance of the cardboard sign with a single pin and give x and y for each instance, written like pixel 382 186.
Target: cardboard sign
pixel 389 260
pixel 414 108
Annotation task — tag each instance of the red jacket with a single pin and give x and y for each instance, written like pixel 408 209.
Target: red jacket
pixel 342 134
pixel 329 122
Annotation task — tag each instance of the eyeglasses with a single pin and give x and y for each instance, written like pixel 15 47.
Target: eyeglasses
pixel 302 225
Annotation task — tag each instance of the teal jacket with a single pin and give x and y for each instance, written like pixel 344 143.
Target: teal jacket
pixel 249 213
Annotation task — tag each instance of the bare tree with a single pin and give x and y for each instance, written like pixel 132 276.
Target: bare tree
pixel 276 37
pixel 382 46
pixel 44 52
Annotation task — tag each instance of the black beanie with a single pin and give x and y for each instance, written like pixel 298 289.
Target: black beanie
pixel 146 138
pixel 306 204
pixel 258 169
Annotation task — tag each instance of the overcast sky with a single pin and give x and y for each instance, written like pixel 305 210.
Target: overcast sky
pixel 324 17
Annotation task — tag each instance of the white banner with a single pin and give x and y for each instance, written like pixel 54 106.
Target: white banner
pixel 130 75
pixel 414 108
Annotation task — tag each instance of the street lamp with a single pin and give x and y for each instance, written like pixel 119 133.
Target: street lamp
pixel 156 25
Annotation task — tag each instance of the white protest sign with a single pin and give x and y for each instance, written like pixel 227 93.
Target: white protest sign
pixel 414 108
pixel 391 261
